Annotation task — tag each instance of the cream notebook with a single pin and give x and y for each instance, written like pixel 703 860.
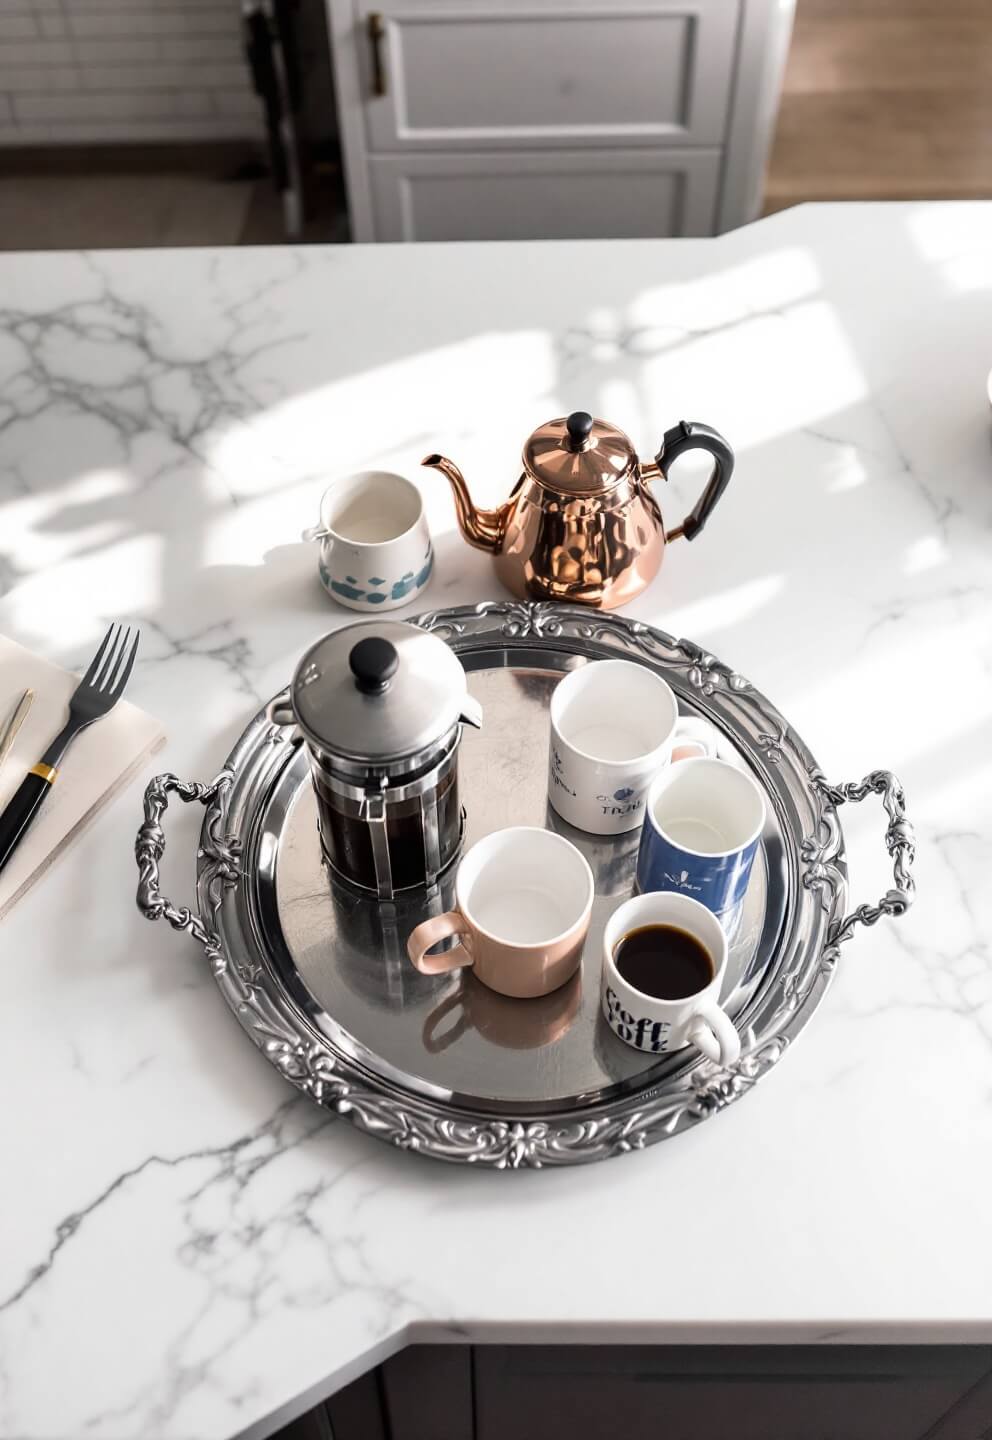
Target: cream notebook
pixel 97 764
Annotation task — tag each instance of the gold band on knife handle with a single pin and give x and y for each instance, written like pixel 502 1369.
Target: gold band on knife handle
pixel 47 772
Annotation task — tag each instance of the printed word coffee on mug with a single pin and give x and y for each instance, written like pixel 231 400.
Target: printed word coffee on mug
pixel 664 961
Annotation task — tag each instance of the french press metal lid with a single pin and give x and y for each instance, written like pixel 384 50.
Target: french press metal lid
pixel 381 695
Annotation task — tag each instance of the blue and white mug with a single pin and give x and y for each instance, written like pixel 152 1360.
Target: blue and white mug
pixel 614 725
pixel 375 547
pixel 702 828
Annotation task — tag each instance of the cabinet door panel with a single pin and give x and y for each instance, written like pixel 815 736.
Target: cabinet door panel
pixel 560 196
pixel 535 73
pixel 750 1393
pixel 356 1412
pixel 427 1393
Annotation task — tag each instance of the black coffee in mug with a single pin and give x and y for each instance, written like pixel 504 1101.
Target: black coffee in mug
pixel 664 962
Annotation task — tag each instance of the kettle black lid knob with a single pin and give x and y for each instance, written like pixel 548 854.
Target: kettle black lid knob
pixel 579 425
pixel 373 663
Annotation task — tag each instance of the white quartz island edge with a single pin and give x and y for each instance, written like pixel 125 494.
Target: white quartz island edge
pixel 191 1250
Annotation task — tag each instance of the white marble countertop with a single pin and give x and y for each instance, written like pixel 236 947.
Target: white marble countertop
pixel 188 1248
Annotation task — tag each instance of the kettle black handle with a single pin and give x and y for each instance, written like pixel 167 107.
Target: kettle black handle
pixel 692 435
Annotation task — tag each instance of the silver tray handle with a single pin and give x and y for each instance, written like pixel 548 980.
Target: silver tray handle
pixel 223 857
pixel 900 842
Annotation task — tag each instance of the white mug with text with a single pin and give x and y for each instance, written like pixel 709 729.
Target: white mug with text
pixel 614 726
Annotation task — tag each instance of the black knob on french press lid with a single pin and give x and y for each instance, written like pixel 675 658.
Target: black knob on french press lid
pixel 579 425
pixel 373 663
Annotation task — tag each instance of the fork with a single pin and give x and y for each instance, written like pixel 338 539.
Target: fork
pixel 96 694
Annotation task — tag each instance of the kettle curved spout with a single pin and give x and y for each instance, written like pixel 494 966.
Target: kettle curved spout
pixel 482 528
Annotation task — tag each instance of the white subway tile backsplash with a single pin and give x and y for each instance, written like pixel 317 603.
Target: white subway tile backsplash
pixel 207 127
pixel 204 20
pixel 165 77
pixel 116 52
pixel 235 102
pixel 187 6
pixel 53 27
pixel 17 27
pixel 137 105
pixel 197 49
pixel 74 71
pixel 36 52
pixel 39 80
pixel 203 47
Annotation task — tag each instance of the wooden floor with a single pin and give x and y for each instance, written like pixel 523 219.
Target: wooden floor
pixel 885 99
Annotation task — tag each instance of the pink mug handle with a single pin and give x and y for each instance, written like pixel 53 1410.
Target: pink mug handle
pixel 430 933
pixel 694 736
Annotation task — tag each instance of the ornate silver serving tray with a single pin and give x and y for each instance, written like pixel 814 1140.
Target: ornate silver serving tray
pixel 318 976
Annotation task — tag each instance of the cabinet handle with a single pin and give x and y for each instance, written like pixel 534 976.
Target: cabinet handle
pixel 377 32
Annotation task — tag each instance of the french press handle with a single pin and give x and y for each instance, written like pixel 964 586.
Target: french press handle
pixel 692 435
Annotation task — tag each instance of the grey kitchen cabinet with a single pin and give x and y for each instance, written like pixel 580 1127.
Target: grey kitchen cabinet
pixel 529 75
pixel 496 119
pixel 690 1392
pixel 597 194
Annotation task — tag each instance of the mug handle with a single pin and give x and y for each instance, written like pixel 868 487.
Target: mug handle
pixel 712 1031
pixel 431 932
pixel 697 737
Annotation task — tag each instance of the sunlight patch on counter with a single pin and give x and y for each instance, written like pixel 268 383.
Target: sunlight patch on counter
pixel 807 368
pixel 844 470
pixel 741 292
pixel 957 240
pixel 925 554
pixel 941 232
pixel 117 578
pixel 725 608
pixel 893 720
pixel 484 394
pixel 82 516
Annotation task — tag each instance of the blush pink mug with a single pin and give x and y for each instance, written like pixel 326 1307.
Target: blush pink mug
pixel 523 899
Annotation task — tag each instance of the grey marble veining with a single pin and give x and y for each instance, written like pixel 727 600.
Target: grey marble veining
pixel 188 1250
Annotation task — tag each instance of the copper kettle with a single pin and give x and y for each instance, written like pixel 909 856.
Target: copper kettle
pixel 581 522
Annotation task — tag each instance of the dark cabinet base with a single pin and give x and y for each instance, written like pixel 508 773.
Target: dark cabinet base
pixel 721 1392
pixel 672 1392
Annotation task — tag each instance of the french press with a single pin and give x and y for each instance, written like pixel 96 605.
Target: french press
pixel 381 706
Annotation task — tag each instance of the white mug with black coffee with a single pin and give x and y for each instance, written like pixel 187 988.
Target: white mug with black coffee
pixel 664 959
